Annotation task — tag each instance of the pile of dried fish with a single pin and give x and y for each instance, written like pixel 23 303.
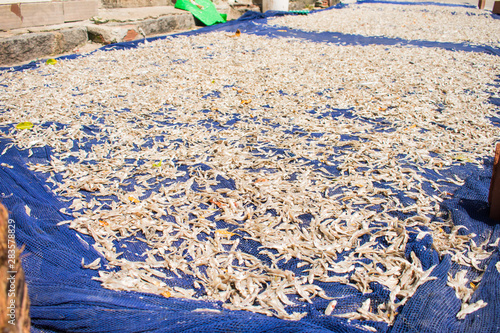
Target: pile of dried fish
pixel 256 168
pixel 411 22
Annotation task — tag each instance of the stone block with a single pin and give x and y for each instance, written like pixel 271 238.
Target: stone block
pixel 160 25
pixel 26 47
pixel 21 48
pixel 120 32
pixel 167 24
pixel 105 34
pixel 69 39
pixel 79 10
pixel 185 21
pixel 135 3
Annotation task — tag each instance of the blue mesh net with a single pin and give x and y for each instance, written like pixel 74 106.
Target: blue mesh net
pixel 65 298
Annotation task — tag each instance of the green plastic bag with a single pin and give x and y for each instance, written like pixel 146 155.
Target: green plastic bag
pixel 203 10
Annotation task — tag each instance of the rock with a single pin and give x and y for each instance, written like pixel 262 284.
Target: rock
pixel 129 31
pixel 31 46
pixel 168 23
pixel 69 39
pixel 135 3
pixel 26 47
pixel 105 34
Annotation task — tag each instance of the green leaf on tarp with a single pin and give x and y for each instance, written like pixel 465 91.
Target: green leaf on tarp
pixel 24 125
pixel 203 10
pixel 51 61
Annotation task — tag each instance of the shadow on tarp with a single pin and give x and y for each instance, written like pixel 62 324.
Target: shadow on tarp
pixel 256 23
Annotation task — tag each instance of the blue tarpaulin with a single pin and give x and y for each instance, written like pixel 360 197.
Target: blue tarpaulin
pixel 65 298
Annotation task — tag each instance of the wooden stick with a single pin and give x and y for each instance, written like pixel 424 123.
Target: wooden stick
pixel 494 194
pixel 14 301
pixel 496 7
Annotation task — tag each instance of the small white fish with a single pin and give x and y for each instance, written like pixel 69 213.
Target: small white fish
pixel 93 265
pixel 470 308
pixel 330 307
pixel 206 310
pixel 7 147
pixel 5 165
pixel 85 244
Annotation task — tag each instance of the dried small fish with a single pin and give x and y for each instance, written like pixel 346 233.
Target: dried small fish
pixel 470 308
pixel 419 23
pixel 93 265
pixel 206 310
pixel 5 165
pixel 460 284
pixel 330 307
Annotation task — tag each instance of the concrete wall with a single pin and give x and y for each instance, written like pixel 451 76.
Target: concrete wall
pixel 25 15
